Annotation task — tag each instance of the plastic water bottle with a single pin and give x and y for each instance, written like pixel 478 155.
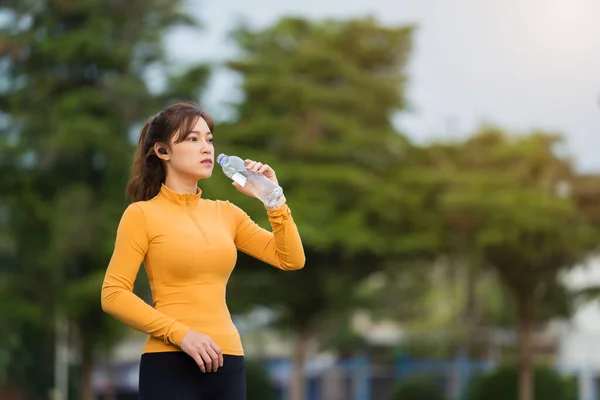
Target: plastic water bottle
pixel 259 185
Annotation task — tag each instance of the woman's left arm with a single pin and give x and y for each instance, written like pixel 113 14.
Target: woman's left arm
pixel 282 247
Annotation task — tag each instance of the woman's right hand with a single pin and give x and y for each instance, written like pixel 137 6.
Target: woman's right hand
pixel 203 349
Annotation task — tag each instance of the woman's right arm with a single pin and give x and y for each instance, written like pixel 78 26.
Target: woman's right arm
pixel 118 299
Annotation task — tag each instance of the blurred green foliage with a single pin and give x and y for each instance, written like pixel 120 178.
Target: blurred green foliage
pixel 258 383
pixel 455 235
pixel 418 388
pixel 501 384
pixel 72 90
pixel 317 102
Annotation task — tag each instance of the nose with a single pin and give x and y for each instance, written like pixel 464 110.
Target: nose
pixel 206 148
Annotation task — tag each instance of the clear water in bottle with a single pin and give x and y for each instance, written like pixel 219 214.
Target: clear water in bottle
pixel 259 185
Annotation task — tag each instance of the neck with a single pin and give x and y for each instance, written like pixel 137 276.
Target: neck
pixel 179 185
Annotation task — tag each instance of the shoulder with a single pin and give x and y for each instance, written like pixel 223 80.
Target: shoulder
pixel 222 205
pixel 133 222
pixel 137 207
pixel 147 208
pixel 226 207
pixel 135 212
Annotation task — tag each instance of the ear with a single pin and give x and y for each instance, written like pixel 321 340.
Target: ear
pixel 162 151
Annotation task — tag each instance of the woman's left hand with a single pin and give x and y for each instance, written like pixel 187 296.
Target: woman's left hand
pixel 258 167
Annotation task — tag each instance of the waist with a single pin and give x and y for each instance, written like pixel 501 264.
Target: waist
pixel 160 364
pixel 201 308
pixel 195 305
pixel 230 343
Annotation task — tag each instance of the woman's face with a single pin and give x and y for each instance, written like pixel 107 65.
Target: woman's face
pixel 194 156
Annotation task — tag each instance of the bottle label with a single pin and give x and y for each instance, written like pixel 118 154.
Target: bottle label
pixel 239 179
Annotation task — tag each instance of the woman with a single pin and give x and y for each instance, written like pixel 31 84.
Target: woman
pixel 189 248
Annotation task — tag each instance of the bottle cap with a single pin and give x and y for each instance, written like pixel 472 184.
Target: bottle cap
pixel 222 159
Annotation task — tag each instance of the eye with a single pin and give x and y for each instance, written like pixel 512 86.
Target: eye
pixel 192 138
pixel 210 140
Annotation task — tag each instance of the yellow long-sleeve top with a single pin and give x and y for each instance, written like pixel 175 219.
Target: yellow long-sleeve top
pixel 189 248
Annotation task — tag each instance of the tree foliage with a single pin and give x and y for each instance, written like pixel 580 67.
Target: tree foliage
pixel 72 91
pixel 317 106
pixel 502 383
pixel 513 202
pixel 318 101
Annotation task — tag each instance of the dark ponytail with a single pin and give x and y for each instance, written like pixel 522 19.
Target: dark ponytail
pixel 148 172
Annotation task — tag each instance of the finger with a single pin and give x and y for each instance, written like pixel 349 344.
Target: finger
pixel 242 190
pixel 199 361
pixel 218 350
pixel 250 165
pixel 257 166
pixel 207 359
pixel 263 169
pixel 248 161
pixel 214 358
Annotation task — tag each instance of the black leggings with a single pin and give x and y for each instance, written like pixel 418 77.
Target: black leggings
pixel 176 376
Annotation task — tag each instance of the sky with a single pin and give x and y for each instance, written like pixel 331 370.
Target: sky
pixel 519 64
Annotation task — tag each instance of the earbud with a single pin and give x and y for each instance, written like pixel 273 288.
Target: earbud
pixel 162 151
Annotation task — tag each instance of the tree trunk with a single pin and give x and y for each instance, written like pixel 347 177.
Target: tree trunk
pixel 526 316
pixel 87 366
pixel 470 314
pixel 469 322
pixel 61 358
pixel 472 309
pixel 298 388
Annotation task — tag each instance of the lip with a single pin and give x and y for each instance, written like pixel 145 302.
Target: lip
pixel 206 161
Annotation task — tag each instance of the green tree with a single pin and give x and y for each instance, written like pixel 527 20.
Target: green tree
pixel 317 106
pixel 508 198
pixel 72 91
pixel 502 383
pixel 418 388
